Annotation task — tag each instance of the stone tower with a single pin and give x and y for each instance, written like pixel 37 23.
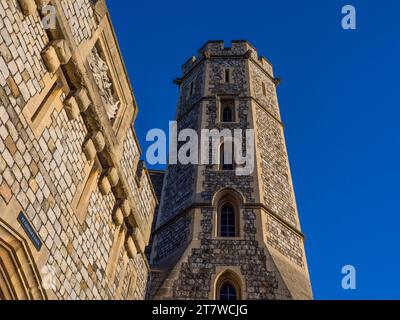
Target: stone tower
pixel 220 235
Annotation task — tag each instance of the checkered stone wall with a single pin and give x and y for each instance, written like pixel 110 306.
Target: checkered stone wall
pixel 43 173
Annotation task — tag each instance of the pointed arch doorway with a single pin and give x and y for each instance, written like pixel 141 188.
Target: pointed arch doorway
pixel 19 276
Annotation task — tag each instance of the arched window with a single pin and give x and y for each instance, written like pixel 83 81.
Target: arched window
pixel 227 292
pixel 228 286
pixel 226 160
pixel 227 110
pixel 227 221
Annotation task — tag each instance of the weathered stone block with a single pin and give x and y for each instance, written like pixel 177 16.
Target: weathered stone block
pixel 89 150
pixel 98 141
pixel 118 217
pixel 28 7
pixel 62 50
pixel 71 108
pixel 83 99
pixel 138 239
pixel 113 177
pixel 104 186
pixel 50 59
pixel 126 208
pixel 130 247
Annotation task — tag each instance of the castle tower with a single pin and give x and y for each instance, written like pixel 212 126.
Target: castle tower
pixel 220 235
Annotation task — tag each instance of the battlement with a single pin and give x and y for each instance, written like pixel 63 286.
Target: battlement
pixel 236 48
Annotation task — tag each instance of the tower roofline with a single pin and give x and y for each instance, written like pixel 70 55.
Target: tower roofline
pixel 237 48
pixel 231 42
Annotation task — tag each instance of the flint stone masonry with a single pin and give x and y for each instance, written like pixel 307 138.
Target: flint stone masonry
pixel 274 168
pixel 266 256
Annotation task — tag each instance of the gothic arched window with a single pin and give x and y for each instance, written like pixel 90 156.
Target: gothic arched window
pixel 228 286
pixel 227 221
pixel 227 110
pixel 227 292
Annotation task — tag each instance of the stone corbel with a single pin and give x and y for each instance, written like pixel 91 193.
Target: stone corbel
pixel 98 141
pixel 130 247
pixel 28 7
pixel 50 58
pixel 125 208
pixel 118 217
pixel 89 150
pixel 82 99
pixel 104 186
pixel 62 50
pixel 113 177
pixel 71 108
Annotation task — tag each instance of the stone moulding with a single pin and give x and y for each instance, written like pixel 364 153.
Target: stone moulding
pixel 130 247
pixel 138 239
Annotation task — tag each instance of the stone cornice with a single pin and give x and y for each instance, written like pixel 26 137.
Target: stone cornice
pixel 207 56
pixel 200 205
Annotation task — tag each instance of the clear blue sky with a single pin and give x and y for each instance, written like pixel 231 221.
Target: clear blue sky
pixel 340 104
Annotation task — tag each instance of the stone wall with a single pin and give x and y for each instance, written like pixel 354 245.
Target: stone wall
pixel 284 240
pixel 259 78
pixel 172 238
pixel 81 18
pixel 195 281
pixel 22 40
pixel 53 144
pixel 275 174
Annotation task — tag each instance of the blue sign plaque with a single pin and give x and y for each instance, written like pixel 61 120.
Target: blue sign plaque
pixel 30 231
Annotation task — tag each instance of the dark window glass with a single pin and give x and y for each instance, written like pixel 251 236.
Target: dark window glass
pixel 227 114
pixel 228 292
pixel 227 75
pixel 226 164
pixel 228 221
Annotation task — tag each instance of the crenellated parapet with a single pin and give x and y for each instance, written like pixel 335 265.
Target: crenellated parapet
pixel 239 49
